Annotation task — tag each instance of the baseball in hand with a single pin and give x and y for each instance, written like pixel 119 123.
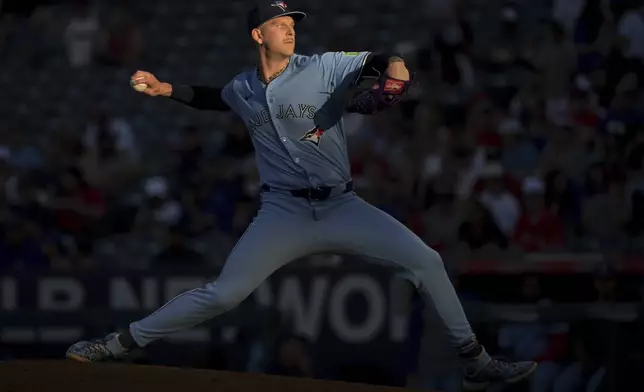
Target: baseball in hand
pixel 140 87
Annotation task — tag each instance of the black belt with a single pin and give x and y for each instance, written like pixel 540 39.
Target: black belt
pixel 317 194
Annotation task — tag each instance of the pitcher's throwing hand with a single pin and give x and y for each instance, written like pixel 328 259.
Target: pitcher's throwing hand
pixel 153 86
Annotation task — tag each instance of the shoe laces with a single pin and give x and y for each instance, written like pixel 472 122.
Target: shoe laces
pixel 99 347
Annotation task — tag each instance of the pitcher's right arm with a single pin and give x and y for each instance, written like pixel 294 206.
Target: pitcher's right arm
pixel 198 97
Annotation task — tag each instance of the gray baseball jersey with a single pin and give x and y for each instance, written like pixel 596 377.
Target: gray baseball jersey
pixel 296 125
pixel 296 121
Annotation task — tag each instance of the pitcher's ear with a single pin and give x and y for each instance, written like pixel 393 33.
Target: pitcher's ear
pixel 257 36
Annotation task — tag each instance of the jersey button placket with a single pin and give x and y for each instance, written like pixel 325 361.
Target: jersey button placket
pixel 270 103
pixel 271 100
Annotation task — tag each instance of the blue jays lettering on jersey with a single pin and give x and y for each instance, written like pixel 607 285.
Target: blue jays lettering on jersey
pixel 295 122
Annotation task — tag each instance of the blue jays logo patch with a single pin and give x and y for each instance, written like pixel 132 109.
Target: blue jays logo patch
pixel 282 5
pixel 313 136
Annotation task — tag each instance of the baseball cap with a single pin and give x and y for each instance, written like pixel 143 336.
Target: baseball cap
pixel 266 10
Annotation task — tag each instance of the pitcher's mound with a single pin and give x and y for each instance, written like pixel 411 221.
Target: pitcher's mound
pixel 69 376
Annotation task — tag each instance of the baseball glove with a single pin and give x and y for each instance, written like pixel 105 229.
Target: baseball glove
pixel 384 93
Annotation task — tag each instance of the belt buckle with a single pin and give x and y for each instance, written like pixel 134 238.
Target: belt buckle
pixel 318 194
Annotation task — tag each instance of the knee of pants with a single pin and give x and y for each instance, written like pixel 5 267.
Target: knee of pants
pixel 427 262
pixel 220 297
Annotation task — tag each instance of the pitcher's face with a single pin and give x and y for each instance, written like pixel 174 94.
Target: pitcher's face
pixel 277 35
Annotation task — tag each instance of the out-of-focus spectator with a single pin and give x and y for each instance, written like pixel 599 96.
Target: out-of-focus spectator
pixel 556 63
pixel 158 208
pixel 196 200
pixel 28 196
pixel 177 251
pixel 596 181
pixel 110 133
pixel 190 154
pixel 605 217
pixel 631 31
pixel 479 232
pixel 442 220
pixel 584 106
pixel 362 152
pixel 466 164
pixel 111 154
pixel 563 197
pixel 538 228
pixel 18 249
pixel 623 117
pixel 567 13
pixel 605 282
pixel 24 153
pixel 546 343
pixel 82 35
pixel 431 143
pixel 63 148
pixel 452 44
pixel 212 199
pixel 519 155
pixel 123 37
pixel 594 20
pixel 501 203
pixel 23 245
pixel 509 37
pixel 564 152
pixel 590 343
pixel 373 177
pixel 79 209
pixel 237 144
pixel 600 61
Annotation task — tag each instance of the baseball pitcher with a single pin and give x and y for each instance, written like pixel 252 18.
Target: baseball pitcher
pixel 293 106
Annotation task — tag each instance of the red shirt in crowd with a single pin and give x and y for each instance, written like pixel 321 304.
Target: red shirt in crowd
pixel 536 234
pixel 72 221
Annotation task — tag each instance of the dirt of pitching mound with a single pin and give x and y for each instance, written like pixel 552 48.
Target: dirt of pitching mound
pixel 32 376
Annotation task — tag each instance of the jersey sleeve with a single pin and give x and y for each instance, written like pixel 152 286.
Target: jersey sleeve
pixel 343 68
pixel 228 95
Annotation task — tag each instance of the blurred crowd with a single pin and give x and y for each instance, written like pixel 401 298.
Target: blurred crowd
pixel 590 354
pixel 516 137
pixel 535 143
pixel 530 140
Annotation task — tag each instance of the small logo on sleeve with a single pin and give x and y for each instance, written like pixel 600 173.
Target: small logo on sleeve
pixel 313 136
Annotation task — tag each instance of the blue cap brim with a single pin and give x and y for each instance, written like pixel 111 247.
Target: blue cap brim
pixel 296 15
